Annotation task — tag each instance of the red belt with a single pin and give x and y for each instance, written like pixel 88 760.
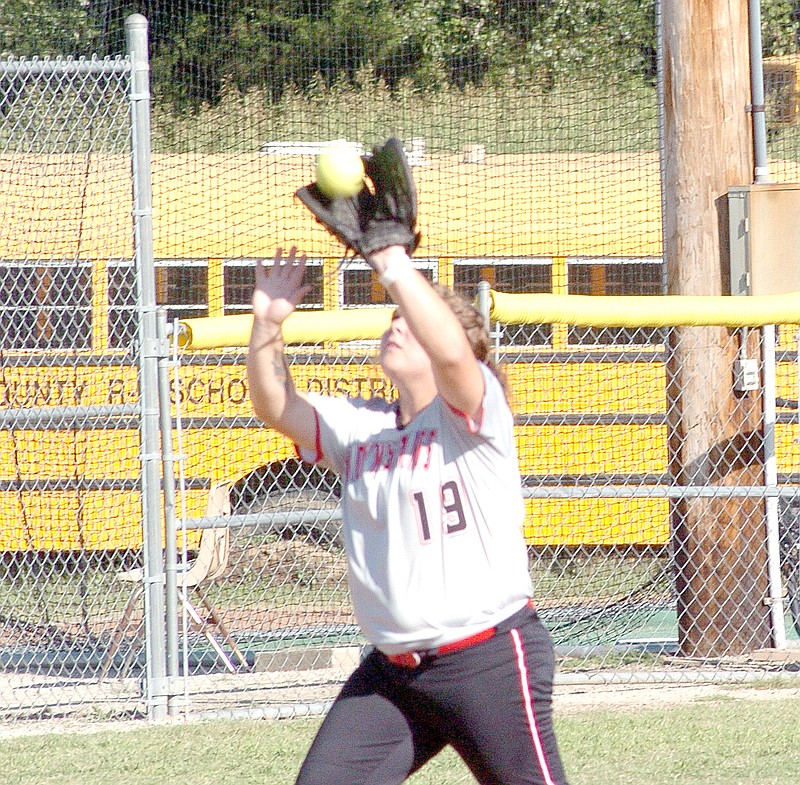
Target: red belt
pixel 411 659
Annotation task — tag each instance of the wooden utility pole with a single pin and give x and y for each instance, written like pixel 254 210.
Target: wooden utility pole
pixel 714 433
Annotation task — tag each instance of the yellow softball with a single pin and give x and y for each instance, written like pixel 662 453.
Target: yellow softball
pixel 340 172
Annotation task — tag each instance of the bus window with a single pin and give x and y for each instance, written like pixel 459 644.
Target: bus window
pixel 615 277
pixel 239 278
pixel 182 287
pixel 46 305
pixel 515 276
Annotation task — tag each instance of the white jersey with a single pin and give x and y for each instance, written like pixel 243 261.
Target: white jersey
pixel 433 517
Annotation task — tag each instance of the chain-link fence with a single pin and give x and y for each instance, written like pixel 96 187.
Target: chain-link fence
pixel 662 519
pixel 81 460
pixel 70 451
pixel 654 555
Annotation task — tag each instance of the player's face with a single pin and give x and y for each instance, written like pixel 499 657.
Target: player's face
pixel 402 357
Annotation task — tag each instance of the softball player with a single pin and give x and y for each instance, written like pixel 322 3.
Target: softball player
pixel 437 564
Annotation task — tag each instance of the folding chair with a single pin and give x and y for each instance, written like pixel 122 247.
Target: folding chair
pixel 210 563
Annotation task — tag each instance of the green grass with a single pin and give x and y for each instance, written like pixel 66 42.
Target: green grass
pixel 587 113
pixel 733 741
pixel 511 115
pixel 728 743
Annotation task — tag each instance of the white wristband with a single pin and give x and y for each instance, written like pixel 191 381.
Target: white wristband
pixel 399 267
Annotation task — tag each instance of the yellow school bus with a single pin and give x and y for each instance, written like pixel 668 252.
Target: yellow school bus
pixel 588 402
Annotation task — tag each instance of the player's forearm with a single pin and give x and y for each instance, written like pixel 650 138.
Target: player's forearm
pixel 429 317
pixel 269 381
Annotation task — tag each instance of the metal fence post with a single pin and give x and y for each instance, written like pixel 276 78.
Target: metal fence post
pixel 775 598
pixel 156 687
pixel 170 527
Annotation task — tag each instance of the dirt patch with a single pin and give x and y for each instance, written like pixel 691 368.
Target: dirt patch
pixel 304 693
pixel 635 697
pixel 291 563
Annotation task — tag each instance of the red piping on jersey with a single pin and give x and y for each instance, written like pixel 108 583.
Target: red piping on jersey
pixel 317 438
pixel 317 442
pixel 472 425
pixel 530 712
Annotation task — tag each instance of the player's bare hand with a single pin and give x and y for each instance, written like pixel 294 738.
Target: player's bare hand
pixel 280 288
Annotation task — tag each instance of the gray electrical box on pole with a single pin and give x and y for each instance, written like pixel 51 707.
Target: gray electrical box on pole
pixel 764 229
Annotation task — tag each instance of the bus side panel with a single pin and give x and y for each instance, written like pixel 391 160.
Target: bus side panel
pixel 574 450
pixel 597 522
pixel 572 388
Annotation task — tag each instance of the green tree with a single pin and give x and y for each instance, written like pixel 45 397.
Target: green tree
pixel 604 37
pixel 45 28
pixel 201 48
pixel 780 24
pixel 296 42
